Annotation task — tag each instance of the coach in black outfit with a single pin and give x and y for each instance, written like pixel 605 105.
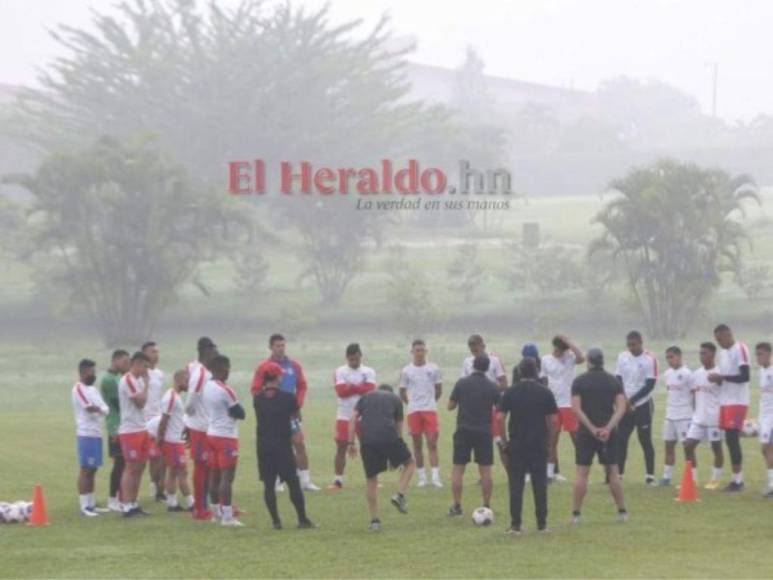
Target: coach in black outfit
pixel 476 397
pixel 532 410
pixel 599 402
pixel 275 411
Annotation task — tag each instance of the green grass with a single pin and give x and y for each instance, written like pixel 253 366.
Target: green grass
pixel 723 536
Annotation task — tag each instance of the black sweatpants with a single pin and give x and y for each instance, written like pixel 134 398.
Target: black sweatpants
pixel 641 420
pixel 520 463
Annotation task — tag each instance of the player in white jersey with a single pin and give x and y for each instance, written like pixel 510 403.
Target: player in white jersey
pixel 197 423
pixel 223 410
pixel 351 381
pixel 168 429
pixel 152 410
pixel 133 431
pixel 679 408
pixel 637 369
pixel 558 368
pixel 90 411
pixel 704 425
pixel 763 352
pixel 420 388
pixel 733 377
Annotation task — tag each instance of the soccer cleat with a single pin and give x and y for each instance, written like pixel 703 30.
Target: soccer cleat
pixel 232 523
pixel 712 485
pixel 375 526
pixel 100 510
pixel 310 486
pixel 141 512
pixel 664 482
pixel 455 511
pixel 176 508
pixel 89 512
pixel 335 486
pixel 437 483
pixel 114 505
pixel 622 516
pixel 559 478
pixel 421 483
pixel 513 531
pixel 649 481
pixel 543 530
pixel 398 500
pixel 307 525
pixel 734 486
pixel 134 513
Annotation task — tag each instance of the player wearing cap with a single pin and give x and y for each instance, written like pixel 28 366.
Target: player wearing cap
pixel 168 429
pixel 197 423
pixel 352 380
pixel 679 408
pixel 152 411
pixel 558 368
pixel 763 352
pixel 704 425
pixel 733 376
pixel 119 365
pixel 133 431
pixel 420 389
pixel 90 411
pixel 293 381
pixel 275 411
pixel 223 410
pixel 637 369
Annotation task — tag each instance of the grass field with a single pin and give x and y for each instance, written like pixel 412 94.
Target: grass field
pixel 723 536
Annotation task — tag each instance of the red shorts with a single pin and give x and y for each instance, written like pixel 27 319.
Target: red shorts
pixel 342 430
pixel 174 454
pixel 566 420
pixel 135 446
pixel 423 422
pixel 224 452
pixel 153 451
pixel 732 416
pixel 199 446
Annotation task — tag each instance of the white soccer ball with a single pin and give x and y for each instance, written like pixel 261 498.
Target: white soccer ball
pixel 483 516
pixel 25 508
pixel 4 509
pixel 751 428
pixel 14 515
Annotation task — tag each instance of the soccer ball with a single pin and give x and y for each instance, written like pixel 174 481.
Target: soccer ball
pixel 25 508
pixel 750 428
pixel 14 514
pixel 4 509
pixel 483 516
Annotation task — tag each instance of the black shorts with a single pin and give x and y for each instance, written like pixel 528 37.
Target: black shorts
pixel 468 442
pixel 376 456
pixel 114 447
pixel 276 459
pixel 588 447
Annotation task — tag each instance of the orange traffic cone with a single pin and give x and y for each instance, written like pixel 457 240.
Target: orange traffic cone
pixel 39 516
pixel 688 492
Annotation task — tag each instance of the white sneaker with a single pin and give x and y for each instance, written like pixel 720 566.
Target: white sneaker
pixel 89 512
pixel 232 523
pixel 114 505
pixel 422 483
pixel 437 483
pixel 311 487
pixel 100 510
pixel 560 478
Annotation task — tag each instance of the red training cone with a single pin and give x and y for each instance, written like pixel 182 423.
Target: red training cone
pixel 39 516
pixel 688 492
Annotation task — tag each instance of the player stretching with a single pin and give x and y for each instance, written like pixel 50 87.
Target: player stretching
pixel 420 389
pixel 168 429
pixel 197 423
pixel 704 425
pixel 638 371
pixel 90 411
pixel 293 381
pixel 152 410
pixel 223 410
pixel 763 352
pixel 733 377
pixel 133 431
pixel 559 370
pixel 119 365
pixel 679 408
pixel 352 381
pixel 276 409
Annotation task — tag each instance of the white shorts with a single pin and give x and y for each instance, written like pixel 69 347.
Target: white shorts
pixel 675 429
pixel 766 430
pixel 700 433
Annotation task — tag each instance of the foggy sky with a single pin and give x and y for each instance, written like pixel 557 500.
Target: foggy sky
pixel 559 42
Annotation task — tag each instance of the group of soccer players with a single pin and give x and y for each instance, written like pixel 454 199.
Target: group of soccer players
pixel 197 416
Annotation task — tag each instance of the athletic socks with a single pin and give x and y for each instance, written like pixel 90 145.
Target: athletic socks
pixel 83 499
pixel 227 513
pixel 435 473
pixel 171 500
pixel 770 478
pixel 216 511
pixel 716 473
pixel 551 470
pixel 421 473
pixel 305 476
pixel 667 471
pixel 738 477
pixel 339 479
pixel 190 502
